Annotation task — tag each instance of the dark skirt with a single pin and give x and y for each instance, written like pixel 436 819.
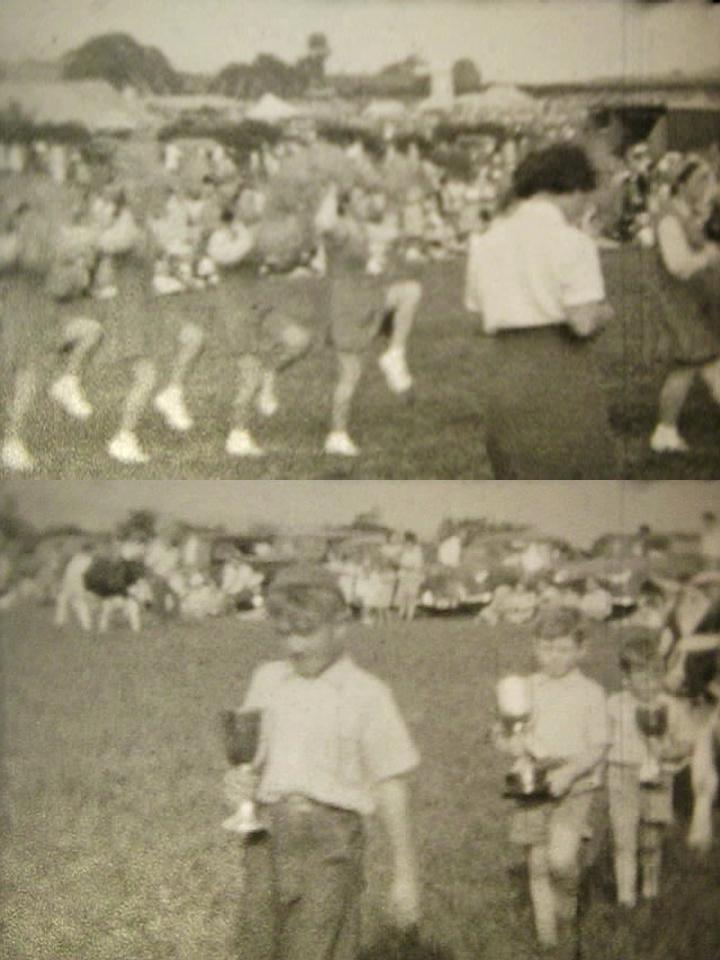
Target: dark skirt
pixel 688 315
pixel 546 415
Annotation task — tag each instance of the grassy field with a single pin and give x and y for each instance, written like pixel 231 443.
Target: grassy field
pixel 113 803
pixel 439 435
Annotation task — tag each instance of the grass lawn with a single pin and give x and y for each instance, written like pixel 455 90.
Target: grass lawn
pixel 439 435
pixel 112 799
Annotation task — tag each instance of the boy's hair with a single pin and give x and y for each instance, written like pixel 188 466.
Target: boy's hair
pixel 560 622
pixel 639 649
pixel 307 595
pixel 561 168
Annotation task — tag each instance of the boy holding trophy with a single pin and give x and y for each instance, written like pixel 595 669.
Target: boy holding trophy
pixel 640 773
pixel 559 735
pixel 333 748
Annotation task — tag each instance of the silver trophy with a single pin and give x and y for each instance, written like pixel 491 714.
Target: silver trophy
pixel 652 722
pixel 241 735
pixel 526 778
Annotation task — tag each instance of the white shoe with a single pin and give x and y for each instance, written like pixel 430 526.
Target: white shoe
pixel 666 439
pixel 338 442
pixel 267 401
pixel 105 293
pixel 125 447
pixel 170 404
pixel 163 284
pixel 15 456
pixel 241 444
pixel 394 367
pixel 67 392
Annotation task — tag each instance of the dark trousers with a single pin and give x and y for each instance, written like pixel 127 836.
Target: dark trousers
pixel 545 408
pixel 315 858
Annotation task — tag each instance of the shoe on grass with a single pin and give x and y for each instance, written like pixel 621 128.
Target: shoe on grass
pixel 171 405
pixel 126 448
pixel 338 442
pixel 67 393
pixel 394 368
pixel 240 443
pixel 666 439
pixel 15 456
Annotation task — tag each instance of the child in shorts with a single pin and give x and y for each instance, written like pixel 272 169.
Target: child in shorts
pixel 567 732
pixel 639 772
pixel 333 748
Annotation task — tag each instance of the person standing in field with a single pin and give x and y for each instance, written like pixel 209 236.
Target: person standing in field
pixel 333 750
pixel 42 324
pixel 410 576
pixel 535 277
pixel 567 733
pixel 365 298
pixel 689 285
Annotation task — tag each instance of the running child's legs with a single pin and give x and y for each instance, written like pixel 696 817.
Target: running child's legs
pixel 170 402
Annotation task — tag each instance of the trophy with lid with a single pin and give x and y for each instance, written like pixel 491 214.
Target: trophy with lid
pixel 526 780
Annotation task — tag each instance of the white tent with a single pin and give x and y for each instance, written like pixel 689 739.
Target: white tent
pixel 271 108
pixel 92 103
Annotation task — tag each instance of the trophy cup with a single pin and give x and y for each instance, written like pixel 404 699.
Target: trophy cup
pixel 241 734
pixel 526 779
pixel 652 722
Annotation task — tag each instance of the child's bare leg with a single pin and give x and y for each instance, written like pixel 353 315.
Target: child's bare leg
pixel 624 818
pixel 240 442
pixel 651 859
pixel 350 366
pixel 673 395
pixel 292 343
pixel 124 446
pixel 15 456
pixel 563 860
pixel 403 300
pixel 170 401
pixel 144 376
pixel 542 895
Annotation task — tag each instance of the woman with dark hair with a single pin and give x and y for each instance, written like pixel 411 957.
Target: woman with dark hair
pixel 690 287
pixel 536 279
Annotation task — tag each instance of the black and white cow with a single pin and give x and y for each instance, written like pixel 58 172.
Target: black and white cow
pixel 115 583
pixel 691 648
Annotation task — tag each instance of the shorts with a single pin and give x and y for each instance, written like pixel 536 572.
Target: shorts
pixel 631 804
pixel 139 323
pixel 33 328
pixel 252 314
pixel 356 311
pixel 533 821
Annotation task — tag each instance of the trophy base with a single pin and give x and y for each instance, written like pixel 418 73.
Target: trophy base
pixel 239 823
pixel 535 788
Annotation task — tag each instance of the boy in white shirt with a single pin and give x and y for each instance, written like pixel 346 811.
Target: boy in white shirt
pixel 568 733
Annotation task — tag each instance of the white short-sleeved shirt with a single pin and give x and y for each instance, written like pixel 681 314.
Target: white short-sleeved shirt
pixel 331 738
pixel 569 717
pixel 529 267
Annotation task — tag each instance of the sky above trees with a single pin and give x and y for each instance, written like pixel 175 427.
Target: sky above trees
pixel 511 40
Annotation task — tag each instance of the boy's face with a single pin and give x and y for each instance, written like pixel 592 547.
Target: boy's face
pixel 311 648
pixel 557 656
pixel 645 682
